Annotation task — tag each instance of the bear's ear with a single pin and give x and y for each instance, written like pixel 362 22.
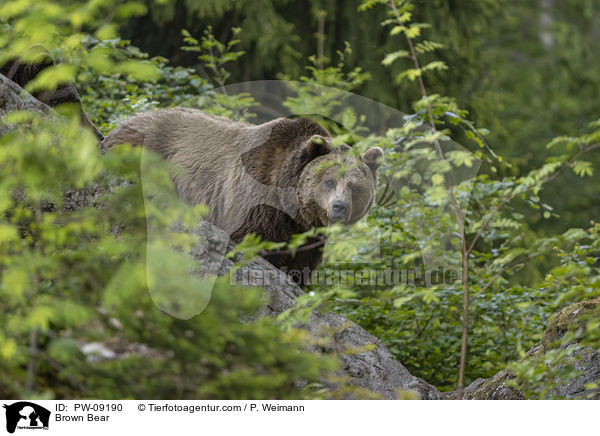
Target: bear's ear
pixel 372 157
pixel 316 146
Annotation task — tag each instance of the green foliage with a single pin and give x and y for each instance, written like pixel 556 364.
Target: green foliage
pixel 576 280
pixel 108 98
pixel 73 274
pixel 526 71
pixel 509 302
pixel 68 274
pixel 73 227
pixel 216 54
pixel 59 32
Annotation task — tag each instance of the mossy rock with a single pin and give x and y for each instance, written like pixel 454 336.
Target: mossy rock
pixel 571 318
pixel 495 388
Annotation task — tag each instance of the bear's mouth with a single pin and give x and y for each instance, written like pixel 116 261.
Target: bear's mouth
pixel 339 218
pixel 343 218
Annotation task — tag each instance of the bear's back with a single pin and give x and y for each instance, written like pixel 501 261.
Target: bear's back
pixel 208 152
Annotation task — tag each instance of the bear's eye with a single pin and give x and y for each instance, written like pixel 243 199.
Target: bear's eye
pixel 354 188
pixel 330 184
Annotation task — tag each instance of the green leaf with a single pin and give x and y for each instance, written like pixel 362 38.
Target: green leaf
pixel 435 66
pixel 397 29
pixel 410 74
pixel 437 179
pixel 461 158
pixel 51 77
pixel 8 348
pixel 8 233
pixel 391 57
pixel 583 168
pixel 143 71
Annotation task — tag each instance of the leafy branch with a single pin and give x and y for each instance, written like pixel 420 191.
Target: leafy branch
pixel 214 54
pixel 433 107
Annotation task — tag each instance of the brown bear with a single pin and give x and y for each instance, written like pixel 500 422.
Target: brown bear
pixel 275 179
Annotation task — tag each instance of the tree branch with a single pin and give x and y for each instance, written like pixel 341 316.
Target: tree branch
pixel 570 162
pixel 321 242
pixel 455 208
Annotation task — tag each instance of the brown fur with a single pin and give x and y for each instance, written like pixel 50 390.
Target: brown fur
pixel 266 179
pixel 22 74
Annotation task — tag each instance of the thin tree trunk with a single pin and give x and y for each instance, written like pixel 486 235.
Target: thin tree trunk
pixel 546 22
pixel 31 365
pixel 320 38
pixel 465 327
pixel 459 219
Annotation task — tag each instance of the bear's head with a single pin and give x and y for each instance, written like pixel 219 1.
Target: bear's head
pixel 336 185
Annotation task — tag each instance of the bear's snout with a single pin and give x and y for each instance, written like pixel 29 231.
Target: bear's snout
pixel 339 209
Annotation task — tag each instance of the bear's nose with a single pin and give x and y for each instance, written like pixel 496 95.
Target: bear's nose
pixel 339 208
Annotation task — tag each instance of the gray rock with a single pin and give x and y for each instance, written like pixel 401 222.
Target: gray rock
pixel 97 351
pixel 589 364
pixel 586 360
pixel 13 98
pixel 365 361
pixel 494 388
